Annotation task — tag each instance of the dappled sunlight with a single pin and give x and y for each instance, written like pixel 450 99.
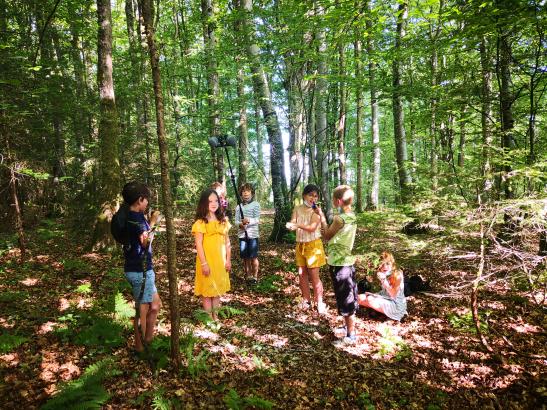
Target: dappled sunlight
pixel 31 282
pixel 46 328
pixel 5 324
pixel 10 359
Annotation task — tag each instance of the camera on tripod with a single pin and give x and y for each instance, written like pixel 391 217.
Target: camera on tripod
pixel 222 141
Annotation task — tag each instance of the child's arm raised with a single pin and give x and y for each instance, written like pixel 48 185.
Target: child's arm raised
pixel 335 226
pixel 314 223
pixel 201 254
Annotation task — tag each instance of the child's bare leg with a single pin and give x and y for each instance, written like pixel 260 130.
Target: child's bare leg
pixel 248 271
pixel 371 301
pixel 207 305
pixel 152 317
pixel 317 285
pixel 254 265
pixel 216 306
pixel 138 342
pixel 303 280
pixel 350 324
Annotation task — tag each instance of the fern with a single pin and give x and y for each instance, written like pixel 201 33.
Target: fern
pixel 9 342
pixel 226 312
pixel 159 402
pixel 122 309
pixel 234 401
pixel 202 316
pixel 87 392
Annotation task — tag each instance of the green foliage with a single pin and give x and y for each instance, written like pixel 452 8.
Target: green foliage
pixel 75 265
pixel 269 284
pixel 159 402
pixel 226 312
pixel 123 310
pixel 195 364
pixel 84 288
pixel 9 342
pixel 263 368
pixel 51 230
pixel 11 297
pixel 464 322
pixel 234 401
pixel 364 402
pixel 202 316
pixel 90 330
pixel 393 345
pixel 7 243
pixel 87 392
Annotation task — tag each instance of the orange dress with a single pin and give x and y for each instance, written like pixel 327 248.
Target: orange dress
pixel 214 246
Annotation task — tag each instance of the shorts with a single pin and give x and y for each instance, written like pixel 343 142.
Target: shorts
pixel 310 254
pixel 345 289
pixel 135 280
pixel 248 249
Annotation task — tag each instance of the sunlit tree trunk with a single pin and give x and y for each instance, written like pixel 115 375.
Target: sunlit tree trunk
pixel 109 130
pixel 461 152
pixel 213 89
pixel 398 113
pixel 358 123
pixel 341 124
pixel 277 161
pixel 242 126
pixel 147 13
pixel 374 190
pixel 486 118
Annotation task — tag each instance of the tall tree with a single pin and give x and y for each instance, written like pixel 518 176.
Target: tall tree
pixel 277 160
pixel 358 122
pixel 486 117
pixel 109 129
pixel 398 112
pixel 147 14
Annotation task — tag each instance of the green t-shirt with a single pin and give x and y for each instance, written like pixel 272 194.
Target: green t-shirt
pixel 341 244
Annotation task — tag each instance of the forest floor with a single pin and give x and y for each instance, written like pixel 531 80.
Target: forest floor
pixel 64 311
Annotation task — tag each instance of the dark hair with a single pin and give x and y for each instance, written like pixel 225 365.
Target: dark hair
pixel 202 209
pixel 133 191
pixel 308 189
pixel 246 187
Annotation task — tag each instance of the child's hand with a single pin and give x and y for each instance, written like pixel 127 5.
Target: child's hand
pixel 381 275
pixel 205 269
pixel 245 221
pixel 290 226
pixel 228 265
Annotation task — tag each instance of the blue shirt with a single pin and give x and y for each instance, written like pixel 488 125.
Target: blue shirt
pixel 134 254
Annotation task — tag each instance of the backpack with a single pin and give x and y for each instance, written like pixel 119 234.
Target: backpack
pixel 118 225
pixel 416 284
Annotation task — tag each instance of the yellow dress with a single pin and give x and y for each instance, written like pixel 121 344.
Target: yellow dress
pixel 214 246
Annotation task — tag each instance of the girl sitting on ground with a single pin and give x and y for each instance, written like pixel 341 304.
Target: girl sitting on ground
pixel 391 300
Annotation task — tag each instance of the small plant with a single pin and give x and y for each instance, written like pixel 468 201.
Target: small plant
pixel 393 345
pixel 269 284
pixel 84 288
pixel 101 332
pixel 465 323
pixel 364 402
pixel 202 316
pixel 196 365
pixel 263 368
pixel 234 401
pixel 10 297
pixel 159 402
pixel 75 265
pixel 123 310
pixel 86 392
pixel 9 342
pixel 226 312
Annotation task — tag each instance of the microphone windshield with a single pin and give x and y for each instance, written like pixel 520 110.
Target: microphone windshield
pixel 213 142
pixel 231 142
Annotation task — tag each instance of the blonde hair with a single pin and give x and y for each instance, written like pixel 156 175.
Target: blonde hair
pixel 396 274
pixel 219 188
pixel 344 193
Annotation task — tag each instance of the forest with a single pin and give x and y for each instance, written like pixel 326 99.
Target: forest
pixel 433 111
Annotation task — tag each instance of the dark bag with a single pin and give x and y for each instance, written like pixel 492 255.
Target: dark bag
pixel 415 284
pixel 118 225
pixel 363 286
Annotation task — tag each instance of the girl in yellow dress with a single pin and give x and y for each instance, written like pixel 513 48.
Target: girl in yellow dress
pixel 213 261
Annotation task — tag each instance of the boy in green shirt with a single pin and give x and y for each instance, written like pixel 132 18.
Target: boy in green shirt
pixel 340 236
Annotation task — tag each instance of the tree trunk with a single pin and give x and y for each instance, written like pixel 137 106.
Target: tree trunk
pixel 398 113
pixel 461 152
pixel 147 13
pixel 243 131
pixel 486 117
pixel 293 83
pixel 359 122
pixel 506 102
pixel 109 130
pixel 213 89
pixel 277 160
pixel 321 90
pixel 341 125
pixel 374 191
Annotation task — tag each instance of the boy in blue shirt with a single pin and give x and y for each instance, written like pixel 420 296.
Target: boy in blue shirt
pixel 138 258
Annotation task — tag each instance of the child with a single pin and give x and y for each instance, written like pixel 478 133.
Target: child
pixel 340 236
pixel 391 300
pixel 138 254
pixel 221 191
pixel 310 255
pixel 248 244
pixel 213 252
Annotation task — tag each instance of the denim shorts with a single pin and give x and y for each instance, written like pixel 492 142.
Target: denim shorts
pixel 135 280
pixel 248 249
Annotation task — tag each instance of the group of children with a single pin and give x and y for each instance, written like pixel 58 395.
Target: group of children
pixel 213 260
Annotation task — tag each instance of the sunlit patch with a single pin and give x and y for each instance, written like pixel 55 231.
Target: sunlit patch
pixel 525 328
pixel 95 257
pixel 68 371
pixel 5 324
pixel 10 359
pixel 42 258
pixel 46 328
pixel 30 281
pixel 63 304
pixel 49 366
pixel 206 334
pixel 269 339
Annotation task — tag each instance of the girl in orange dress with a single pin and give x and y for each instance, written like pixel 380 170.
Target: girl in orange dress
pixel 213 261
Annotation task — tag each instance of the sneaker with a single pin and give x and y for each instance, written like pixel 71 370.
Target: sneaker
pixel 322 308
pixel 346 341
pixel 304 305
pixel 340 331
